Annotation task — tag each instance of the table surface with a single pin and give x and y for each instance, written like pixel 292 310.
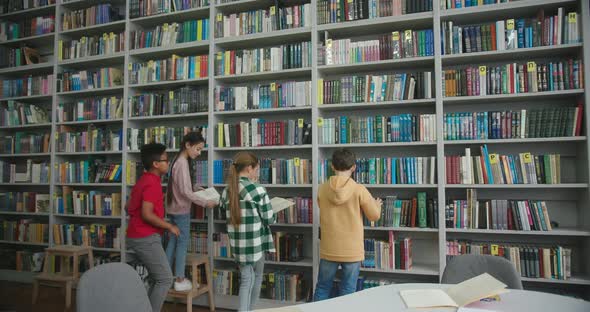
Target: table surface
pixel 387 298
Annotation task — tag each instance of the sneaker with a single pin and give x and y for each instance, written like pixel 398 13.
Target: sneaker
pixel 185 285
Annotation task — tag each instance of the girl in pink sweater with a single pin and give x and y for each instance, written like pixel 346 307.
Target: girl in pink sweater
pixel 179 197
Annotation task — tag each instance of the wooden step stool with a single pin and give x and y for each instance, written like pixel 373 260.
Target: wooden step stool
pixel 194 260
pixel 65 277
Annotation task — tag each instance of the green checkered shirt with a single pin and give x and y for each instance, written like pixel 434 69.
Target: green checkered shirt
pixel 252 238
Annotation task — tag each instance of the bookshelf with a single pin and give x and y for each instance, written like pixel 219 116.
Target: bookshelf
pixel 570 199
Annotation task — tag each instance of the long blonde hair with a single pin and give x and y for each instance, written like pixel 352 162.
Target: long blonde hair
pixel 241 161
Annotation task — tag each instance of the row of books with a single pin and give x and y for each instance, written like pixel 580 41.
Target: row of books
pixel 286 56
pixel 106 77
pixel 92 140
pixel 97 108
pixel 91 235
pixel 262 21
pixel 336 11
pixel 199 175
pixel 375 88
pixel 24 143
pixel 531 123
pixel 420 211
pixel 87 46
pixel 387 170
pixel 391 254
pixel 377 129
pixel 58 264
pixel 551 262
pixel 29 172
pixel 173 68
pixel 20 114
pixel 141 8
pixel 397 45
pixel 198 242
pixel 259 132
pixel 10 6
pixel 15 57
pixel 171 137
pixel 24 202
pixel 27 27
pixel 489 168
pixel 454 4
pixel 272 171
pixel 512 33
pixel 83 203
pixel 263 96
pixel 513 78
pixel 94 15
pixel 89 171
pixel 28 86
pixel 25 260
pixel 283 286
pixel 221 246
pixel 24 230
pixel 185 100
pixel 288 247
pixel 363 283
pixel 167 35
pixel 301 212
pixel 497 214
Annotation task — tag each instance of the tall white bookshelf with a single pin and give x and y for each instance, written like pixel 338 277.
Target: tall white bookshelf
pixel 570 199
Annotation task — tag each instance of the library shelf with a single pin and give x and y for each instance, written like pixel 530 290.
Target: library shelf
pixel 376 105
pixel 267 38
pixel 518 186
pixel 267 75
pixel 25 155
pixel 7 242
pixel 24 184
pixel 169 83
pixel 185 48
pixel 88 122
pixel 386 144
pixel 89 153
pixel 32 12
pixel 41 40
pixel 477 14
pixel 90 184
pixel 27 126
pixel 504 98
pixel 76 216
pixel 265 111
pixel 404 63
pixel 263 148
pixel 555 232
pixel 157 19
pixel 401 229
pixel 377 25
pixel 29 98
pixel 517 141
pixel 91 92
pixel 170 116
pixel 95 29
pixel 116 58
pixel 22 213
pixel 417 269
pixel 39 68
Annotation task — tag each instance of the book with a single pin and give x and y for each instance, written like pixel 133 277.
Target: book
pixel 24 143
pixel 259 132
pixel 279 204
pixel 95 139
pixel 170 69
pixel 107 77
pixel 91 109
pixel 263 96
pixel 86 46
pixel 391 254
pixel 272 171
pixel 209 194
pixel 288 246
pixel 171 137
pixel 140 8
pixel 336 11
pixel 170 34
pixel 28 86
pixel 185 100
pixel 24 230
pixel 94 15
pixel 26 27
pixel 94 235
pixel 471 290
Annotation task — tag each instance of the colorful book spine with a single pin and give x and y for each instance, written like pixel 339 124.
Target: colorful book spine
pixel 170 69
pixel 170 34
pixel 336 11
pixel 263 96
pixel 259 132
pixel 171 137
pixel 186 100
pixel 272 171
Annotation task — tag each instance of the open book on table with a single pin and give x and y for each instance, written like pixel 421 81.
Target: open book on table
pixel 471 290
pixel 209 194
pixel 279 204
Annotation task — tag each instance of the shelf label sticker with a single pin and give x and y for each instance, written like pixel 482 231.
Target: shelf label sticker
pixel 510 24
pixel 495 250
pixel 297 161
pixel 320 122
pixel 408 34
pixel 531 67
pixel 483 70
pixel 527 158
pixel 219 17
pixel 572 17
pixel 171 95
pixel 395 36
pixel 273 87
pixel 300 122
pixel 165 26
pixel 129 67
pixel 329 43
pixel 494 159
pixel 273 10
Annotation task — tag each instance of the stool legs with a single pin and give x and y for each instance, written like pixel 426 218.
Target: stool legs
pixel 209 287
pixel 68 294
pixel 35 291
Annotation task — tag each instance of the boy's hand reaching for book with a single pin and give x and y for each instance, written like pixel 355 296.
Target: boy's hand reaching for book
pixel 174 230
pixel 379 202
pixel 211 204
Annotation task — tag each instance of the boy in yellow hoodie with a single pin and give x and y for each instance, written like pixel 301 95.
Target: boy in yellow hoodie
pixel 342 203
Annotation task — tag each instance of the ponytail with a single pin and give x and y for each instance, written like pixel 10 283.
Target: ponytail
pixel 241 161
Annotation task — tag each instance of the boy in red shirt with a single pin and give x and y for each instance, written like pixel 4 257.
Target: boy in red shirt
pixel 146 223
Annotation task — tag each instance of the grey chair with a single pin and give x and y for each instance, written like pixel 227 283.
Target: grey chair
pixel 113 287
pixel 464 267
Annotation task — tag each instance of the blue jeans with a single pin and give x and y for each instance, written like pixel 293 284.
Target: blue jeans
pixel 177 246
pixel 250 283
pixel 350 275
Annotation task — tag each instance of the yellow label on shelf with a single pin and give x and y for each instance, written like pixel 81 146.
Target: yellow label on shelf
pixel 171 95
pixel 408 34
pixel 300 122
pixel 572 17
pixel 483 70
pixel 83 39
pixel 151 63
pixel 494 159
pixel 273 10
pixel 510 24
pixel 129 66
pixel 495 250
pixel 531 67
pixel 273 87
pixel 271 277
pixel 105 36
pixel 219 56
pixel 112 35
pixel 527 158
pixel 350 1
pixel 113 99
pixel 219 17
pixel 297 161
pixel 329 43
pixel 165 26
pixel 395 36
pixel 320 122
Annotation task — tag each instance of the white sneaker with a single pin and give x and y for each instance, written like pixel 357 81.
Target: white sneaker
pixel 185 285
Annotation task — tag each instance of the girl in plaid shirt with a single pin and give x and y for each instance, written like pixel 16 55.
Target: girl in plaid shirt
pixel 249 214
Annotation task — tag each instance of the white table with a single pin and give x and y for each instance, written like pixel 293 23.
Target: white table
pixel 387 298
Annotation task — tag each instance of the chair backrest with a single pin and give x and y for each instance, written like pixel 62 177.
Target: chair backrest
pixel 113 287
pixel 464 267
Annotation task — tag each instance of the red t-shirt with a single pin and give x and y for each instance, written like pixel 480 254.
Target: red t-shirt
pixel 148 188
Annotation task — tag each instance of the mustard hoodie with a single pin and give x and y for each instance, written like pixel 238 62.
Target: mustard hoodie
pixel 342 203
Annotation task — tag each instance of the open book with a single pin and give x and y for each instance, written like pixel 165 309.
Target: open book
pixel 279 204
pixel 209 194
pixel 471 290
